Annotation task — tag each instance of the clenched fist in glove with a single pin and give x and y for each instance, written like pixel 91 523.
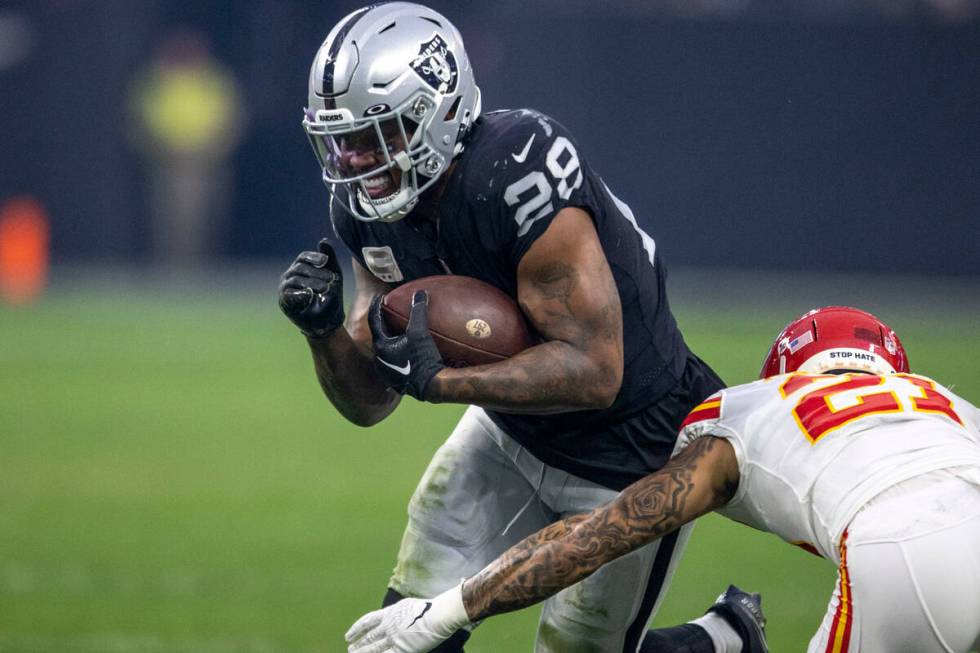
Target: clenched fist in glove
pixel 409 626
pixel 311 292
pixel 409 361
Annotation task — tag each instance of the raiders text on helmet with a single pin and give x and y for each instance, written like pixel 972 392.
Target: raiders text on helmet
pixel 391 95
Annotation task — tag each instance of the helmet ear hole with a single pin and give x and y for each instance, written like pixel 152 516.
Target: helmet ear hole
pixel 451 114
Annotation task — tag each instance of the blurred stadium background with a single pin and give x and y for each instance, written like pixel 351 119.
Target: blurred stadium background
pixel 171 478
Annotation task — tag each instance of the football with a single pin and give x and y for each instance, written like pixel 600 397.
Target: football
pixel 472 322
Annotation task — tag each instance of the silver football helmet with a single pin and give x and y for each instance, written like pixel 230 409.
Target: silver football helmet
pixel 392 94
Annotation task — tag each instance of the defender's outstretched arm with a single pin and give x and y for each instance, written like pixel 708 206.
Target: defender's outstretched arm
pixel 703 477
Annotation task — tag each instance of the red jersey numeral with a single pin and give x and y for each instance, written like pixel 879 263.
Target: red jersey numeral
pixel 929 400
pixel 816 416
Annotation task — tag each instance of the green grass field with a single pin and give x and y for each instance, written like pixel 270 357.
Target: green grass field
pixel 172 480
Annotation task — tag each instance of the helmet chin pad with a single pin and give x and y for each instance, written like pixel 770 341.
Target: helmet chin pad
pixel 383 207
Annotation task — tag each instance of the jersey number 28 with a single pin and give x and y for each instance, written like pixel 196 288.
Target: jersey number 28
pixel 533 191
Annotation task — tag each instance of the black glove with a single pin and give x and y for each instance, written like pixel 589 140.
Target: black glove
pixel 409 361
pixel 311 292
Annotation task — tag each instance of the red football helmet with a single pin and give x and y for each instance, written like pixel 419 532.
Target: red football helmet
pixel 836 338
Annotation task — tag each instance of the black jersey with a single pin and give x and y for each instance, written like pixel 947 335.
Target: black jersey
pixel 518 170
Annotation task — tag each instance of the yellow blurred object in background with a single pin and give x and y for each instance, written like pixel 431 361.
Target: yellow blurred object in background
pixel 186 115
pixel 188 108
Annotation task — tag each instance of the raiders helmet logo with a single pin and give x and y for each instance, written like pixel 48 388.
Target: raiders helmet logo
pixel 436 65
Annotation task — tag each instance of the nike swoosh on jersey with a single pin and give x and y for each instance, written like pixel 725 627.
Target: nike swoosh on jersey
pixel 401 369
pixel 527 148
pixel 428 604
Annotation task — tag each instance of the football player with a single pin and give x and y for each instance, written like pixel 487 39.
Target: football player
pixel 838 449
pixel 422 182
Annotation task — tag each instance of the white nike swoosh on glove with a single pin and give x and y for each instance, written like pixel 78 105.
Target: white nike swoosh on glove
pixel 527 148
pixel 401 369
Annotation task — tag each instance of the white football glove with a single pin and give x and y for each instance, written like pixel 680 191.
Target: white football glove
pixel 409 626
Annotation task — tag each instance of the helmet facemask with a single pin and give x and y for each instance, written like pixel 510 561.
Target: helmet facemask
pixel 380 160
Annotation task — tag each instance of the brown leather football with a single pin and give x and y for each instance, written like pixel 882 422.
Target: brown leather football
pixel 472 322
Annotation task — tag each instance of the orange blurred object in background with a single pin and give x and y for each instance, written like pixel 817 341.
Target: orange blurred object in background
pixel 24 250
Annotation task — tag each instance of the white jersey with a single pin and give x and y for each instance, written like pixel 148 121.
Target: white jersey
pixel 813 449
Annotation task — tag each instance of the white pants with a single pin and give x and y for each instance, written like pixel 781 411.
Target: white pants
pixel 909 579
pixel 483 493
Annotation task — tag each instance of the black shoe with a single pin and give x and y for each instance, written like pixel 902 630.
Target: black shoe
pixel 743 612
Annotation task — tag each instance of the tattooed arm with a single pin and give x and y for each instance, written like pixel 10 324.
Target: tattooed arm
pixel 703 477
pixel 566 289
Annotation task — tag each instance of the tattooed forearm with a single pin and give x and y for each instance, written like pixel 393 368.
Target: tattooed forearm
pixel 549 378
pixel 703 477
pixel 580 364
